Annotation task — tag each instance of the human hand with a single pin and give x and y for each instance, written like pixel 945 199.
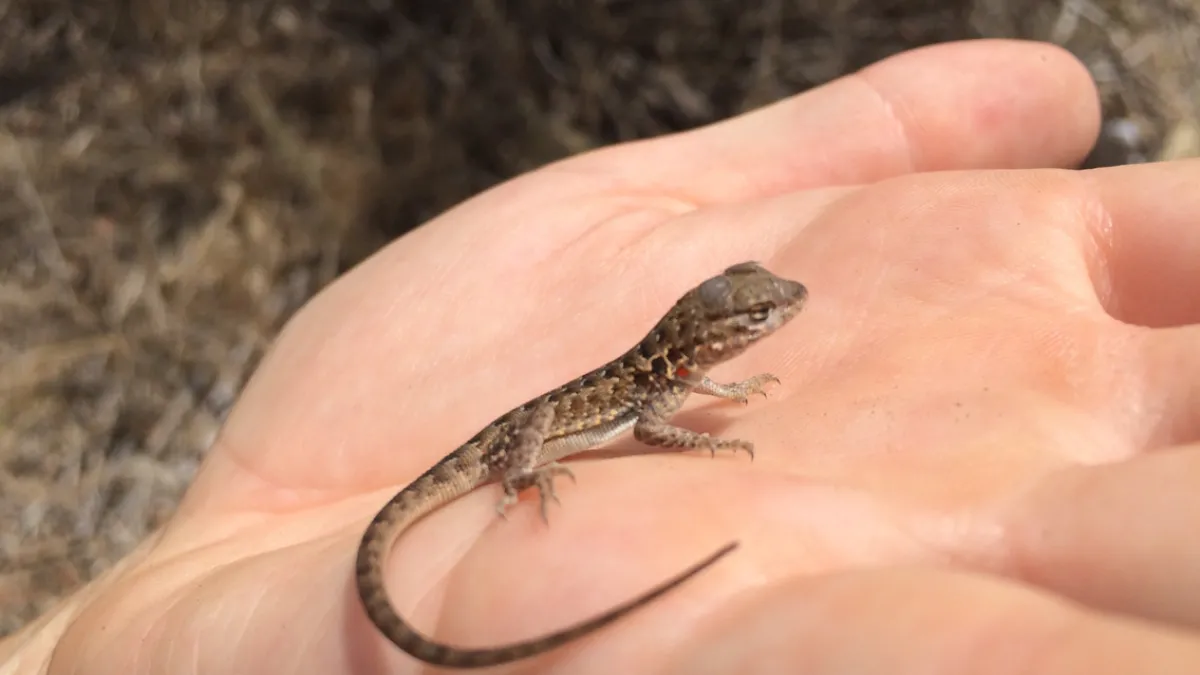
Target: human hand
pixel 952 378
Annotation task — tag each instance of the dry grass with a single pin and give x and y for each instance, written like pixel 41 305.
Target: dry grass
pixel 185 175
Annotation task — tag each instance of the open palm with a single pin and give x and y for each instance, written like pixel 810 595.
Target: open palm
pixel 978 349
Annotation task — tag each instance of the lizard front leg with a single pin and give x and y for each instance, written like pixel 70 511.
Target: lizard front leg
pixel 521 457
pixel 663 435
pixel 734 391
pixel 652 428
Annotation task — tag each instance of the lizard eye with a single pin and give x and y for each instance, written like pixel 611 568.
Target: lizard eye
pixel 759 313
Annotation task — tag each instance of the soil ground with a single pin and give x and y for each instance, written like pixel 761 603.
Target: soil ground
pixel 180 177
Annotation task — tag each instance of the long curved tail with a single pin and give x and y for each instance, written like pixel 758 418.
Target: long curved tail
pixel 371 591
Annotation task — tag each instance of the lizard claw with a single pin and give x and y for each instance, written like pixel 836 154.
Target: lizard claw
pixel 756 385
pixel 544 481
pixel 506 501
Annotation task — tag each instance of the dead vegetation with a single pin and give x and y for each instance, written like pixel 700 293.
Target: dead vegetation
pixel 182 176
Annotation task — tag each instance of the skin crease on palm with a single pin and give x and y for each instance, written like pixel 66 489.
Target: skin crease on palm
pixel 977 461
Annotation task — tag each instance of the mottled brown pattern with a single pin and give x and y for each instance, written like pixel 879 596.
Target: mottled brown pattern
pixel 640 390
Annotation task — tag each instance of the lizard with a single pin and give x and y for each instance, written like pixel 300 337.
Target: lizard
pixel 639 391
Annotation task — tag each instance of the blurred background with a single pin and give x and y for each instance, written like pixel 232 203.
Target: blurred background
pixel 179 176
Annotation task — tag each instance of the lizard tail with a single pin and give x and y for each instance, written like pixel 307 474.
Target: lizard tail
pixel 404 636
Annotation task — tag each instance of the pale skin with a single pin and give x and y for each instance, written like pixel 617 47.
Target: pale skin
pixel 977 459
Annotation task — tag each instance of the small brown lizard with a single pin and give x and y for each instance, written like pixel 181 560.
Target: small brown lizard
pixel 640 390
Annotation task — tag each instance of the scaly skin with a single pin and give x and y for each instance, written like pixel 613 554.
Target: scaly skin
pixel 641 390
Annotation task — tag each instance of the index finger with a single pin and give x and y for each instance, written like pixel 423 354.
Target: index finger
pixel 969 105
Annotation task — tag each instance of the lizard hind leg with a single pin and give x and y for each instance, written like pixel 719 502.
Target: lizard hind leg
pixel 519 468
pixel 542 478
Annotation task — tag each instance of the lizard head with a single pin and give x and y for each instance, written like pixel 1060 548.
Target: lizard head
pixel 738 307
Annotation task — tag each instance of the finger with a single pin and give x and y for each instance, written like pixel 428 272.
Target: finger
pixel 1151 241
pixel 919 621
pixel 1170 359
pixel 978 104
pixel 1119 537
pixel 220 610
pixel 206 615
